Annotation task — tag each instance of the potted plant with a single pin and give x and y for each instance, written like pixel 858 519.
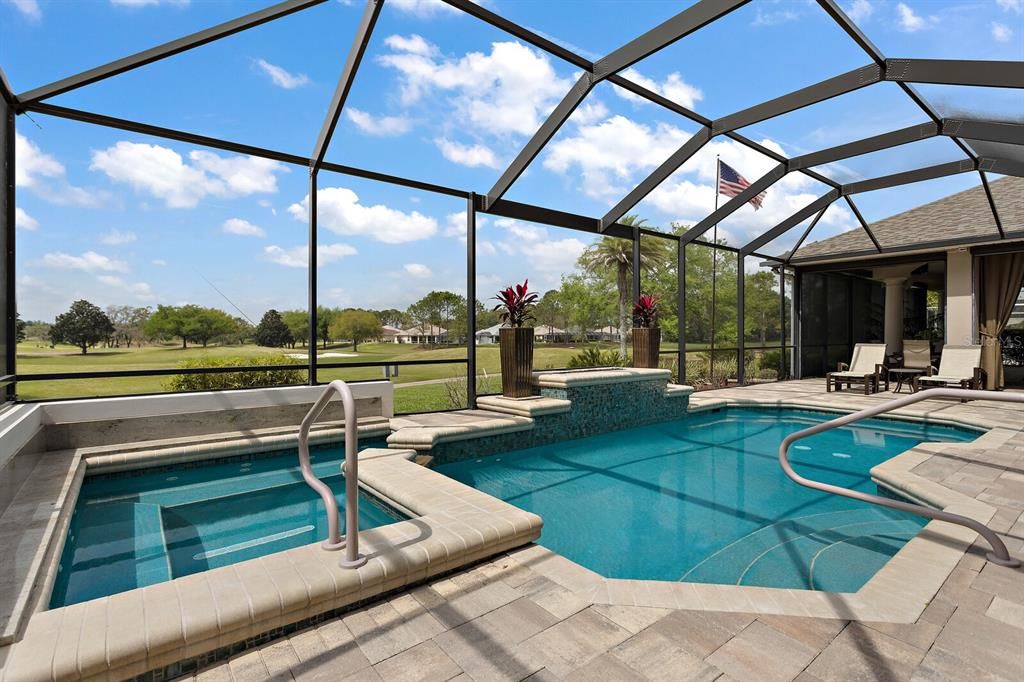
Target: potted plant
pixel 516 340
pixel 646 333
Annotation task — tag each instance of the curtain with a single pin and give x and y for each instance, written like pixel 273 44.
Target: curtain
pixel 1001 278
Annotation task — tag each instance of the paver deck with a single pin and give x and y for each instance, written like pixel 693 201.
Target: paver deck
pixel 517 617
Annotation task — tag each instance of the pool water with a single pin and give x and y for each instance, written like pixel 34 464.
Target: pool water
pixel 703 499
pixel 150 526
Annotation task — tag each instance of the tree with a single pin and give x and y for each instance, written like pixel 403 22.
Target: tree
pixel 392 317
pixel 166 323
pixel 356 326
pixel 19 328
pixel 83 325
pixel 203 325
pixel 272 331
pixel 551 311
pixel 587 302
pixel 324 316
pixel 614 256
pixel 129 322
pixel 297 322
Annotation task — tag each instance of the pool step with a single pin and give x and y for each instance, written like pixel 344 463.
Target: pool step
pixel 151 565
pixel 809 552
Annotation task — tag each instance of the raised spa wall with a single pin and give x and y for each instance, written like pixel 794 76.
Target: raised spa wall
pixel 565 405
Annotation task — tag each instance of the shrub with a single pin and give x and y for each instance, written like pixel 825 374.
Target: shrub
pixel 595 357
pixel 221 380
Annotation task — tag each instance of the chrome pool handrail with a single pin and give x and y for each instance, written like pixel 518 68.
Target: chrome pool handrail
pixel 999 554
pixel 334 541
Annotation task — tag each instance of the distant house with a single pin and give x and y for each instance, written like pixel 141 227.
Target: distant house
pixel 389 334
pixel 429 335
pixel 487 336
pixel 548 334
pixel 608 333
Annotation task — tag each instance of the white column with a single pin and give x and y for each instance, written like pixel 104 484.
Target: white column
pixel 894 314
pixel 961 322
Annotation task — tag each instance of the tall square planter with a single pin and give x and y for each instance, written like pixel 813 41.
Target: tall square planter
pixel 646 345
pixel 516 344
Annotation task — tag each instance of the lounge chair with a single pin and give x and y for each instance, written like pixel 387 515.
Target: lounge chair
pixel 917 354
pixel 960 367
pixel 866 367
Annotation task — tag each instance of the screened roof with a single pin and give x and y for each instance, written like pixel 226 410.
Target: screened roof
pixel 639 124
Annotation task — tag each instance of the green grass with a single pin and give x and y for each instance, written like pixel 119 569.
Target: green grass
pixel 35 357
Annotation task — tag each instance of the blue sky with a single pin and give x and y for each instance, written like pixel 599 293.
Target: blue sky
pixel 120 218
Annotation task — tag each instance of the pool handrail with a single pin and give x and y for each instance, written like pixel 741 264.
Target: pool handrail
pixel 999 554
pixel 334 541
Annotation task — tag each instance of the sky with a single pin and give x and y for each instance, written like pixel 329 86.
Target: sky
pixel 120 218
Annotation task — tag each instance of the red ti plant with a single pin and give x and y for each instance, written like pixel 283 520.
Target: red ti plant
pixel 645 311
pixel 516 304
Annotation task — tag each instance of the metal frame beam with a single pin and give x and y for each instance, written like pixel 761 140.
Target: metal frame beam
pixel 863 223
pixel 547 130
pixel 659 175
pixel 311 282
pixel 907 177
pixel 1001 166
pixel 471 301
pixel 816 206
pixel 348 75
pixel 989 131
pixel 731 206
pixel 798 99
pixel 664 34
pixel 867 145
pixel 992 74
pixel 992 203
pixel 237 147
pixel 7 206
pixel 803 237
pixel 168 49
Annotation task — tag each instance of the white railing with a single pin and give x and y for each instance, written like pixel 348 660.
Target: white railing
pixel 334 541
pixel 998 555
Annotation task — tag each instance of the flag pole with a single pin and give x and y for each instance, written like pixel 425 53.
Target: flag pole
pixel 714 273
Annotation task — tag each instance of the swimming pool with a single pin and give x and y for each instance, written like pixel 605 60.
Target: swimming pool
pixel 140 528
pixel 703 499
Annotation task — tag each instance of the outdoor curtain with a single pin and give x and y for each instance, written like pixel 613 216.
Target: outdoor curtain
pixel 1001 278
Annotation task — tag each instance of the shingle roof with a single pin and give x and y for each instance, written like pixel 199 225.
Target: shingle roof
pixel 964 214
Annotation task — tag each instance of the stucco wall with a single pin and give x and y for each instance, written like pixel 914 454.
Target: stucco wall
pixel 960 317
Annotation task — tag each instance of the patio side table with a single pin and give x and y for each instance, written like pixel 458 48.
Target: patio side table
pixel 902 375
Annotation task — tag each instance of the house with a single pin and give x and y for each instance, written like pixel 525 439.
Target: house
pixel 389 334
pixel 607 333
pixel 548 334
pixel 424 336
pixel 487 336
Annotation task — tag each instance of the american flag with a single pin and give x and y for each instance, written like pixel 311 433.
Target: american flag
pixel 731 183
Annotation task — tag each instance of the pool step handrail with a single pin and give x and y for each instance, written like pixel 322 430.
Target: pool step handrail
pixel 999 554
pixel 334 541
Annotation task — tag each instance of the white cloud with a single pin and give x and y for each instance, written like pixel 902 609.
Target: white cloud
pixel 161 172
pixel 1001 32
pixel 280 77
pixel 589 113
pixel 510 90
pixel 413 44
pixel 551 258
pixel 140 290
pixel 298 256
pixel 243 228
pixel 471 155
pixel 32 163
pixel 90 261
pixel 418 270
pixel 117 238
pixel 1012 5
pixel 24 221
pixel 339 210
pixel 673 87
pixel 610 153
pixel 421 8
pixel 159 262
pixel 384 126
pixel 860 10
pixel 911 22
pixel 28 8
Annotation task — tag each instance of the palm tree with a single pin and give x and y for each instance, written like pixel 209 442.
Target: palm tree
pixel 614 255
